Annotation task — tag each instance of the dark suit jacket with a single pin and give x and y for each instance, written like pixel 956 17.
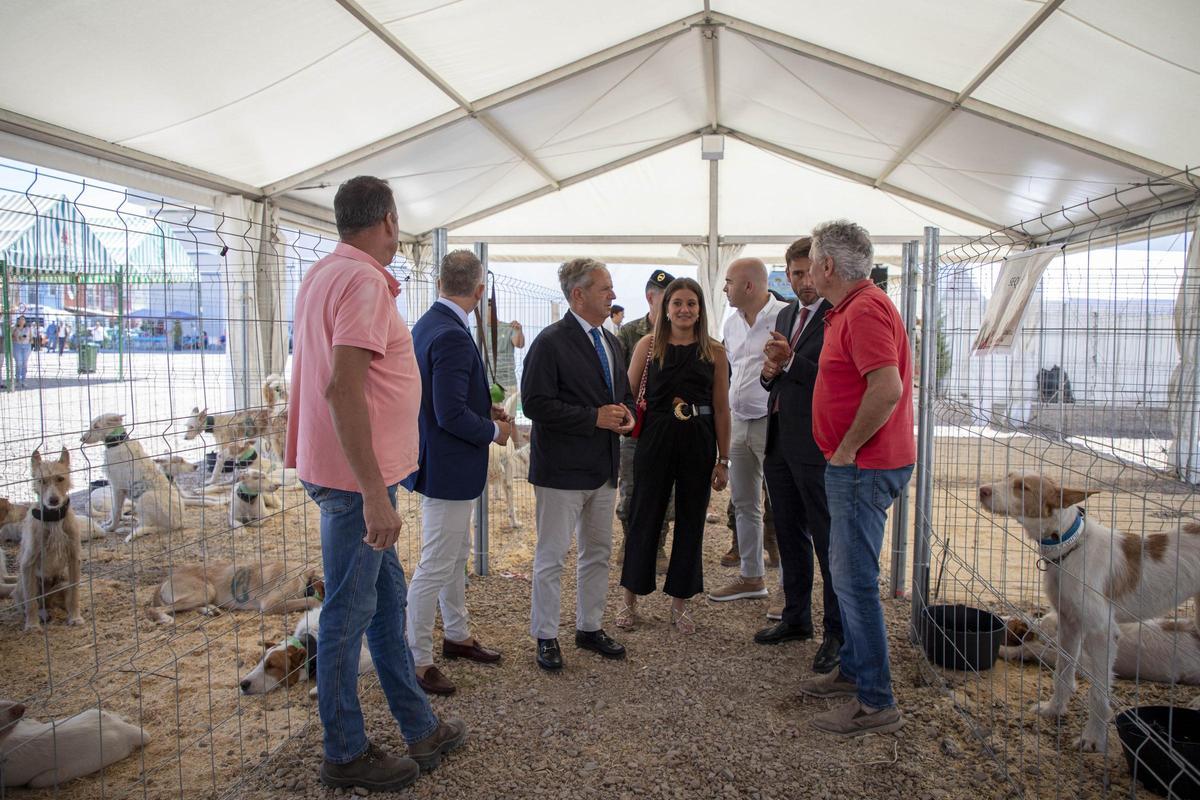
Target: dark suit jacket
pixel 455 423
pixel 562 386
pixel 794 389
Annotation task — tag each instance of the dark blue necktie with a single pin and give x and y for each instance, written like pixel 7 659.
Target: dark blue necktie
pixel 603 360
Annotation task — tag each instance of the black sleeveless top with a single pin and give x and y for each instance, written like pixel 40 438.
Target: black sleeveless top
pixel 682 374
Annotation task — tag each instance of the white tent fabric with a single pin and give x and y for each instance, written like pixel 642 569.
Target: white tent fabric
pixel 1002 110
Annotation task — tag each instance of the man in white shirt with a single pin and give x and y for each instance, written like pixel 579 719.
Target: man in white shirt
pixel 746 333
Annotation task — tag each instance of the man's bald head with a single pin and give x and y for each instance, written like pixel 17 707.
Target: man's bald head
pixel 746 283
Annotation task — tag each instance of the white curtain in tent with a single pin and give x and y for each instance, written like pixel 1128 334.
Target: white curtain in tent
pixel 712 284
pixel 253 270
pixel 1184 388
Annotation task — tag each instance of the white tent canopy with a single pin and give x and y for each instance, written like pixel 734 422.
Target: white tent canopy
pixel 896 113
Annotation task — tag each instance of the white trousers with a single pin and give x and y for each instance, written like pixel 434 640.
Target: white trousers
pixel 747 449
pixel 440 576
pixel 561 513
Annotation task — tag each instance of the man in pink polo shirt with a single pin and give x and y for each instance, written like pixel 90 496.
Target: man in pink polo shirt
pixel 863 422
pixel 352 437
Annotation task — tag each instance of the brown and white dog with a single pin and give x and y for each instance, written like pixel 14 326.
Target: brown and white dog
pixel 1161 650
pixel 219 586
pixel 1094 578
pixel 12 520
pixel 42 754
pixel 275 394
pixel 295 659
pixel 48 567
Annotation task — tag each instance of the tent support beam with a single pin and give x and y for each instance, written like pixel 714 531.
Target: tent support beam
pixel 387 37
pixel 712 75
pixel 585 64
pixel 866 180
pixel 56 136
pixel 944 114
pixel 569 181
pixel 753 239
pixel 1075 141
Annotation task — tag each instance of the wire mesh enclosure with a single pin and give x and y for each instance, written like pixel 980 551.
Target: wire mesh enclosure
pixel 1058 368
pixel 146 363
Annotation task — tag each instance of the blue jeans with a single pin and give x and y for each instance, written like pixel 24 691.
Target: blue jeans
pixel 364 593
pixel 21 356
pixel 858 504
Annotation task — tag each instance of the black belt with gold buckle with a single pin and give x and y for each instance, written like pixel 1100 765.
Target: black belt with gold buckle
pixel 686 411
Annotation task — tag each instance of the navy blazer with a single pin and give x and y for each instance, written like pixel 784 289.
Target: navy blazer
pixel 562 386
pixel 455 424
pixel 792 426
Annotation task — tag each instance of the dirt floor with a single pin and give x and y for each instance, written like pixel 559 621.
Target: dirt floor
pixel 712 715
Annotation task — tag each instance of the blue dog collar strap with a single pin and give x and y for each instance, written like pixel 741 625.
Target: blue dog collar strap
pixel 1054 548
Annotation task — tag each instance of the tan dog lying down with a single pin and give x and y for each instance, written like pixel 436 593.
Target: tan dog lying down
pixel 266 587
pixel 41 754
pixel 295 659
pixel 1162 650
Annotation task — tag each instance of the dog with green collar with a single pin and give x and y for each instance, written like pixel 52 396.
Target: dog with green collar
pixel 253 498
pixel 294 659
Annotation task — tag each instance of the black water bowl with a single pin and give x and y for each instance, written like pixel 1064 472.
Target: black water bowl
pixel 961 637
pixel 1154 758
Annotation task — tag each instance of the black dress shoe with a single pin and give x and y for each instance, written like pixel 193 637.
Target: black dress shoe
pixel 599 642
pixel 828 654
pixel 549 657
pixel 783 632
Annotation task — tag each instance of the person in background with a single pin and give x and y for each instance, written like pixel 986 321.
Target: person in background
pixel 795 466
pixel 746 332
pixel 352 437
pixel 684 447
pixel 574 390
pixel 22 345
pixel 615 319
pixel 458 424
pixel 64 332
pixel 177 335
pixel 510 337
pixel 630 334
pixel 51 335
pixel 863 423
pixel 203 340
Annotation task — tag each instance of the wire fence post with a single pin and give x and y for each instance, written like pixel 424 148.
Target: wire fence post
pixel 908 308
pixel 6 329
pixel 481 509
pixel 922 529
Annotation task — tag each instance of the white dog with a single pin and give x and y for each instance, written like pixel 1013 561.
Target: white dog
pixel 1094 578
pixel 295 659
pixel 506 462
pixel 158 503
pixel 42 754
pixel 1162 650
pixel 252 499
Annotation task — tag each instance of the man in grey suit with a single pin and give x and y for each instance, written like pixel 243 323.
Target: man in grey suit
pixel 575 390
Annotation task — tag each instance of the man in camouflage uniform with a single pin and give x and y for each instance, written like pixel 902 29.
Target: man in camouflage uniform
pixel 630 334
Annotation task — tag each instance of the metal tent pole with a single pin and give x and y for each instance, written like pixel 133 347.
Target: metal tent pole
pixel 6 330
pixel 908 307
pixel 923 528
pixel 481 508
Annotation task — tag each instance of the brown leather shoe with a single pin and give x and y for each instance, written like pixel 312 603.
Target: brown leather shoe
pixel 449 736
pixel 434 682
pixel 472 652
pixel 732 558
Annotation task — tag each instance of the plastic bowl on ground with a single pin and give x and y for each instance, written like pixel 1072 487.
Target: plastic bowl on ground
pixel 1157 741
pixel 961 637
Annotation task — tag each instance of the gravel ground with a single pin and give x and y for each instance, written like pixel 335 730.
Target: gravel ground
pixel 712 715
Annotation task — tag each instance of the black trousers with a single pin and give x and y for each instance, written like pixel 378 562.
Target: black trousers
pixel 671 454
pixel 801 528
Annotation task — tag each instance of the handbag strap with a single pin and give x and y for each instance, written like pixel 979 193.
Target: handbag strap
pixel 645 372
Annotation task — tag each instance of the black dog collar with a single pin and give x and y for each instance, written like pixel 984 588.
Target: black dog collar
pixel 209 423
pixel 246 498
pixel 116 437
pixel 44 514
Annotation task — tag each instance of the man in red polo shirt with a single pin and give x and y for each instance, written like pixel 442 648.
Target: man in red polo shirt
pixel 863 423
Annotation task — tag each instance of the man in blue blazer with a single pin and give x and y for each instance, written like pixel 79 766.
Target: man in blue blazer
pixel 457 424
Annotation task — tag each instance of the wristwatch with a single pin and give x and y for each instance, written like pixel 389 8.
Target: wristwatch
pixel 724 462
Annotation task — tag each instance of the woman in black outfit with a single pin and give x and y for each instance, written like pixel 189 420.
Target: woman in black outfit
pixel 686 428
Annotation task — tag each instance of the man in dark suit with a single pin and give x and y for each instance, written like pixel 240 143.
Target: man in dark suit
pixel 457 425
pixel 574 388
pixel 795 467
